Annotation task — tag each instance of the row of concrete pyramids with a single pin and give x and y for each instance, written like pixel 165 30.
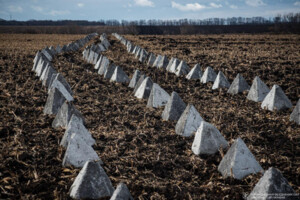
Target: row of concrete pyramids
pixel 91 53
pixel 274 99
pixel 92 181
pixel 238 162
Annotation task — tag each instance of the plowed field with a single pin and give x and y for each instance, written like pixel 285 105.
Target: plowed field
pixel 136 146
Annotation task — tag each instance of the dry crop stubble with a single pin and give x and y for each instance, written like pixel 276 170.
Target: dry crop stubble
pixel 136 146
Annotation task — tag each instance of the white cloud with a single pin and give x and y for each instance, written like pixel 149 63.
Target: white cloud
pixel 80 5
pixel 18 9
pixel 297 3
pixel 59 12
pixel 255 3
pixel 188 7
pixel 233 7
pixel 215 5
pixel 144 3
pixel 37 8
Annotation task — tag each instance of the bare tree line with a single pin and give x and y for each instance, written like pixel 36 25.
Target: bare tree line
pixel 285 18
pixel 288 23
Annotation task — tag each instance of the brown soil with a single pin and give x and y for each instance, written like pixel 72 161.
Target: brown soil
pixel 136 146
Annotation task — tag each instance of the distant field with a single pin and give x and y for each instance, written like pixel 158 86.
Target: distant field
pixel 136 146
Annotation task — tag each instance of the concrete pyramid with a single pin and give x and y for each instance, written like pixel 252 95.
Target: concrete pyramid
pixel 42 77
pixel 276 100
pixel 151 59
pixel 170 64
pixel 91 56
pixel 158 97
pixel 105 43
pixel 163 62
pixel 174 108
pixel 62 85
pixel 188 122
pixel 96 58
pixel 195 73
pixel 134 79
pixel 138 53
pixel 239 162
pixel 121 193
pixel 53 52
pixel 109 71
pixel 54 101
pixel 76 125
pixel 103 65
pixel 36 59
pixel 221 81
pixel 143 56
pixel 78 152
pixel 208 140
pixel 46 52
pixel 258 90
pixel 49 72
pixel 208 76
pixel 64 48
pixel 136 49
pixel 97 66
pixel 41 66
pixel 143 92
pixel 174 65
pixel 182 68
pixel 295 116
pixel 85 53
pixel 157 60
pixel 58 49
pixel 119 76
pixel 238 85
pixel 141 79
pixel 91 183
pixel 64 115
pixel 272 186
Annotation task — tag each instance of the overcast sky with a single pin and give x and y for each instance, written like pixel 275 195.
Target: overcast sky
pixel 95 10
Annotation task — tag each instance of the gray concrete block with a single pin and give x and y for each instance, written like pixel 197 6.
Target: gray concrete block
pixel 188 122
pixel 141 79
pixel 258 90
pixel 208 140
pixel 54 101
pixel 221 81
pixel 134 79
pixel 78 152
pixel 208 76
pixel 143 92
pixel 109 71
pixel 182 69
pixel 273 186
pixel 64 115
pixel 238 85
pixel 195 73
pixel 276 100
pixel 158 97
pixel 174 108
pixel 119 76
pixel 103 65
pixel 76 125
pixel 91 183
pixel 121 193
pixel 295 116
pixel 239 162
